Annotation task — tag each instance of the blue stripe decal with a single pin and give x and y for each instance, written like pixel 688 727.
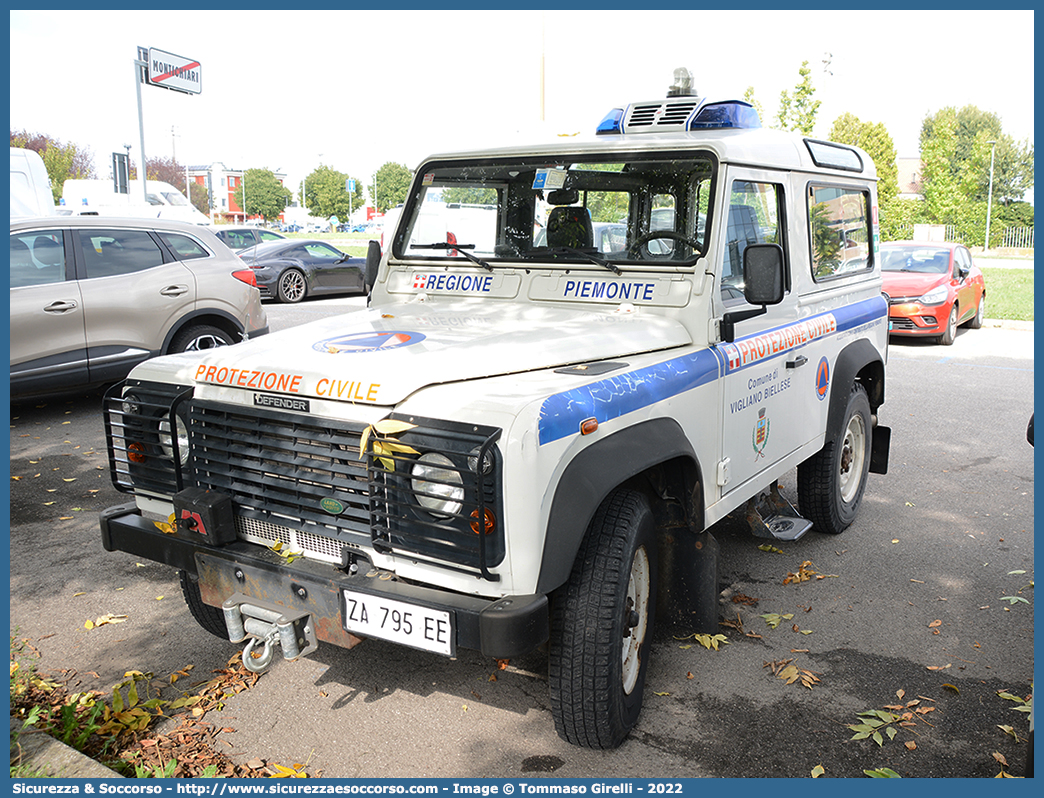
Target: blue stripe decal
pixel 561 413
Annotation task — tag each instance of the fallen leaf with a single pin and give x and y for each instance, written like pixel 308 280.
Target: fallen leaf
pixel 1000 758
pixel 661 694
pixel 952 687
pixel 939 667
pixel 934 624
pixel 817 771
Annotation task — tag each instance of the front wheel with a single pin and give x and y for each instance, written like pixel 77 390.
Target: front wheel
pixel 948 337
pixel 291 287
pixel 212 619
pixel 831 482
pixel 601 626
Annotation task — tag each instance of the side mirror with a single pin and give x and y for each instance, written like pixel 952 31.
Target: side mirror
pixel 373 261
pixel 764 284
pixel 763 279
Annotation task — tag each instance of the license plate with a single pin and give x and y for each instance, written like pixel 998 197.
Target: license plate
pixel 398 622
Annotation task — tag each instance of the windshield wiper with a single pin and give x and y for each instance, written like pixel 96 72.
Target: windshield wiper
pixel 595 259
pixel 461 248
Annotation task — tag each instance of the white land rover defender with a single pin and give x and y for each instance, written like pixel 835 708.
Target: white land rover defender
pixel 524 436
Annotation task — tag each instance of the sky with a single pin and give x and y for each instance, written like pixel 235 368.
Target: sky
pixel 352 90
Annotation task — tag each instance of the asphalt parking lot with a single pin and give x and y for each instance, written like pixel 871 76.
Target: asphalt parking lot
pixel 926 596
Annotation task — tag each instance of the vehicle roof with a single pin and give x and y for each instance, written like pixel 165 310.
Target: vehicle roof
pixel 220 227
pixel 147 223
pixel 754 147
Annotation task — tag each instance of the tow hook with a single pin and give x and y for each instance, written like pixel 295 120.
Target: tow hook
pixel 265 624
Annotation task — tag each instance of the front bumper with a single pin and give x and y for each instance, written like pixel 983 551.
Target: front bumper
pixel 501 628
pixel 912 318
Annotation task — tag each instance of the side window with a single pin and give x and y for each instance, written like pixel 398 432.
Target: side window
pixel 183 247
pixel 839 229
pixel 37 258
pixel 322 251
pixel 268 236
pixel 754 218
pixel 963 261
pixel 107 253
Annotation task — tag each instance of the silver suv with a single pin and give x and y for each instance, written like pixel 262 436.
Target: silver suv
pixel 93 296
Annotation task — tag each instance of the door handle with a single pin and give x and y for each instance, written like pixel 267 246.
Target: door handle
pixel 60 306
pixel 797 362
pixel 174 290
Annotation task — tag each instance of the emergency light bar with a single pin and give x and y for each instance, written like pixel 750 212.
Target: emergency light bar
pixel 660 117
pixel 682 110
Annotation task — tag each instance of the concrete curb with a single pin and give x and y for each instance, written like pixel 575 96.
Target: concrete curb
pixel 38 751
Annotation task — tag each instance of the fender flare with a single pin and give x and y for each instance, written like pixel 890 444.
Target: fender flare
pixel 592 475
pixel 201 316
pixel 851 365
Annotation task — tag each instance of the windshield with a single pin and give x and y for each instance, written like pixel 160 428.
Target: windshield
pixel 569 208
pixel 923 259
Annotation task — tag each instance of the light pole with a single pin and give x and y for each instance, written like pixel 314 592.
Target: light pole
pixel 989 197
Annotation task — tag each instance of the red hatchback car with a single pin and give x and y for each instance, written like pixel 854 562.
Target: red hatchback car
pixel 932 288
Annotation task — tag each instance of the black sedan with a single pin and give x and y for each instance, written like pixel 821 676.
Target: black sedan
pixel 292 269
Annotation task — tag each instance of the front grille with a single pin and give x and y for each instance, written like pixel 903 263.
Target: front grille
pixel 301 481
pixel 661 115
pixel 285 473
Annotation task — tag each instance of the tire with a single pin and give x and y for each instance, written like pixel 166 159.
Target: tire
pixel 831 482
pixel 210 618
pixel 198 338
pixel 601 626
pixel 980 314
pixel 291 287
pixel 947 338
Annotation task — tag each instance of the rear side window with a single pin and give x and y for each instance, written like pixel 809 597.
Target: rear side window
pixel 839 230
pixel 183 247
pixel 107 253
pixel 37 258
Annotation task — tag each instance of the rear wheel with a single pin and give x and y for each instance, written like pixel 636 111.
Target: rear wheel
pixel 947 338
pixel 601 626
pixel 198 338
pixel 212 619
pixel 831 482
pixel 291 287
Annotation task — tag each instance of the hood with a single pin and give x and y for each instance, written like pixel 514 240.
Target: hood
pixel 910 284
pixel 381 356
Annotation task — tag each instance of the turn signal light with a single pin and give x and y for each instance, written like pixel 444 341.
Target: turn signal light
pixel 136 452
pixel 588 425
pixel 490 519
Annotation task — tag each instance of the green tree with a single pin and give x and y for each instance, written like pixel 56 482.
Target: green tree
pixel 265 195
pixel 62 161
pixel 391 186
pixel 1013 161
pixel 325 194
pixel 798 111
pixel 940 183
pixel 748 96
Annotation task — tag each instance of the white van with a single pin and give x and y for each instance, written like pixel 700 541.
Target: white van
pixel 30 185
pixel 97 198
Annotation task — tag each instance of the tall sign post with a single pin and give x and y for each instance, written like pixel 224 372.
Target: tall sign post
pixel 168 71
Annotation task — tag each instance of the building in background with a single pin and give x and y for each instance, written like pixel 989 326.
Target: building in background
pixel 222 184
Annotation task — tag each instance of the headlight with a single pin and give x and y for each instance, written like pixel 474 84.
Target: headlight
pixel 934 297
pixel 437 484
pixel 183 439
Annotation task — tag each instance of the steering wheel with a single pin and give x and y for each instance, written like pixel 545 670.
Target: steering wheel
pixel 652 235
